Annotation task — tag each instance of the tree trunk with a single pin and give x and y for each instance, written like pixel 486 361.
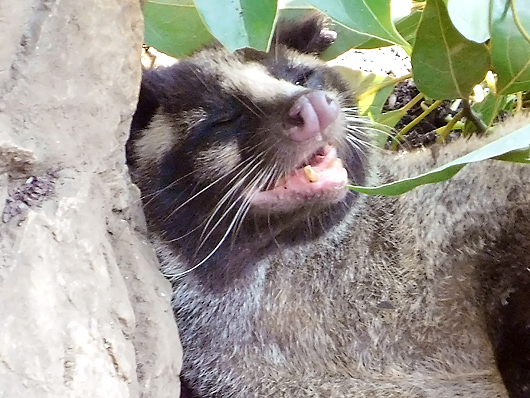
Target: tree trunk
pixel 83 309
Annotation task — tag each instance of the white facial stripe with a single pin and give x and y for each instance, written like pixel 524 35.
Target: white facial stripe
pixel 157 140
pixel 162 134
pixel 255 81
pixel 218 161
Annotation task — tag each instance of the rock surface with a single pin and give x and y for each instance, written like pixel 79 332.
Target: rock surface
pixel 84 311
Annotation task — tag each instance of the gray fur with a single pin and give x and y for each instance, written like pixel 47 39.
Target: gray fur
pixel 388 304
pixel 403 298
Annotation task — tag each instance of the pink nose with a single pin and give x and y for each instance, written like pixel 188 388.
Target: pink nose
pixel 314 112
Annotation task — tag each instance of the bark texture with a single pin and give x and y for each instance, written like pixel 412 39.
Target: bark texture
pixel 84 311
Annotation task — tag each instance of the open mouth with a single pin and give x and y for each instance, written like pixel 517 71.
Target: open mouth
pixel 321 178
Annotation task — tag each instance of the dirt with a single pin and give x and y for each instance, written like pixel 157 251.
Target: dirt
pixel 385 61
pixel 394 62
pixel 424 133
pixel 32 193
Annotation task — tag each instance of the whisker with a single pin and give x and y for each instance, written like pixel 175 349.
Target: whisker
pixel 221 241
pixel 218 206
pixel 155 194
pixel 189 232
pixel 243 168
pixel 252 189
pixel 256 110
pixel 202 191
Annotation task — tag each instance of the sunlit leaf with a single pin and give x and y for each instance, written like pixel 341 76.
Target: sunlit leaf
pixel 470 18
pixel 408 26
pixel 390 118
pixel 371 90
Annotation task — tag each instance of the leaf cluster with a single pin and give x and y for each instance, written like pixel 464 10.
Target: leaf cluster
pixel 473 53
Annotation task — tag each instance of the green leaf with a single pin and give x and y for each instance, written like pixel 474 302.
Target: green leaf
pixel 364 18
pixel 513 147
pixel 361 82
pixel 471 18
pixel 174 27
pixel 510 52
pixel 239 23
pixel 390 118
pixel 522 156
pixel 445 64
pixel 406 27
pixel 489 107
pixel 371 105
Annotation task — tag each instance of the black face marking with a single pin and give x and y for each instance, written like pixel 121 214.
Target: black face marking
pixel 303 76
pixel 234 130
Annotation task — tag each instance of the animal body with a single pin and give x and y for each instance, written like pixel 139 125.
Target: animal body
pixel 286 283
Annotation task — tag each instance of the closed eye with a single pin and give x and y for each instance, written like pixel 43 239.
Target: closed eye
pixel 225 121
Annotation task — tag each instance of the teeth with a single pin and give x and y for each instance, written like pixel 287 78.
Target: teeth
pixel 280 182
pixel 310 174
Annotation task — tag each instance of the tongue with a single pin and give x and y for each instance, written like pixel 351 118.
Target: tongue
pixel 316 112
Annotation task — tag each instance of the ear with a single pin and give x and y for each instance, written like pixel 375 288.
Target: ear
pixel 307 35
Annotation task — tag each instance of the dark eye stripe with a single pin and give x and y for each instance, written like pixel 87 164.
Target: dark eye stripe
pixel 303 78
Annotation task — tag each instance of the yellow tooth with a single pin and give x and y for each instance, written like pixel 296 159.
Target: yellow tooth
pixel 280 182
pixel 310 174
pixel 335 163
